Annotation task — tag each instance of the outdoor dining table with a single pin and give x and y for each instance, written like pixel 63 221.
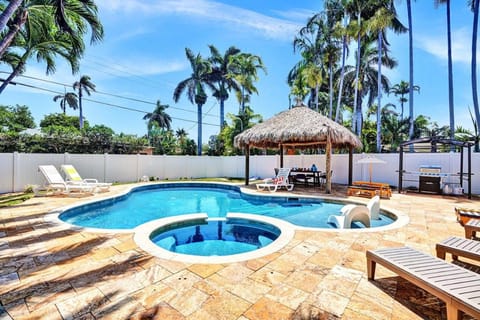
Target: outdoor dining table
pixel 307 174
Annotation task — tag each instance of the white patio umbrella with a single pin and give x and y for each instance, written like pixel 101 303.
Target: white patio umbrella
pixel 370 160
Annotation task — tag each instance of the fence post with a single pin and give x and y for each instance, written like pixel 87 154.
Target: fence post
pixel 66 158
pixel 15 167
pixel 138 167
pixel 105 166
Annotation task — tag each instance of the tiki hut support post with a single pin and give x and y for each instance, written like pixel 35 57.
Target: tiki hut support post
pixel 328 165
pixel 281 156
pixel 247 164
pixel 350 165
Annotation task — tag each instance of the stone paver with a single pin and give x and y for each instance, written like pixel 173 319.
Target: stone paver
pixel 52 271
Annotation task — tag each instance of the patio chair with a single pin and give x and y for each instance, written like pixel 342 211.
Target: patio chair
pixel 458 287
pixel 74 177
pixel 353 213
pixel 56 182
pixel 281 180
pixel 373 207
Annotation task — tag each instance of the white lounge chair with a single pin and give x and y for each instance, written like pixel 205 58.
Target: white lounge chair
pixel 281 180
pixel 373 207
pixel 353 213
pixel 56 183
pixel 74 177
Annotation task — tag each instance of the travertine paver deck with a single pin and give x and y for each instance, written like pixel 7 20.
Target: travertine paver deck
pixel 51 271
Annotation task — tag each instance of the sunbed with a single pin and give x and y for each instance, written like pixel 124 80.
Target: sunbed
pixel 458 287
pixel 74 177
pixel 281 180
pixel 457 246
pixel 56 183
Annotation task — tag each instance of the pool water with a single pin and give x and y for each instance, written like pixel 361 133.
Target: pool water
pixel 147 204
pixel 216 238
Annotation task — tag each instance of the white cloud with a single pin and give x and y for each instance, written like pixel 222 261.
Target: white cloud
pixel 299 15
pixel 269 27
pixel 437 45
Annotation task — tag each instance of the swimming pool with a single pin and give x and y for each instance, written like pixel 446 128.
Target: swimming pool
pixel 156 201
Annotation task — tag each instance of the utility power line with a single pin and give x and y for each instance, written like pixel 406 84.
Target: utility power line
pixel 102 102
pixel 108 94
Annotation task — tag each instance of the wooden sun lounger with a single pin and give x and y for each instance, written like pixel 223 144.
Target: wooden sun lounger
pixel 458 287
pixel 459 247
pixel 464 215
pixel 471 228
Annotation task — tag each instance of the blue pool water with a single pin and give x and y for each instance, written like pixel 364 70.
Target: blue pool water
pixel 165 200
pixel 216 238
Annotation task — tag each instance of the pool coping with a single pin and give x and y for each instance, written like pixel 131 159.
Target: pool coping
pixel 143 232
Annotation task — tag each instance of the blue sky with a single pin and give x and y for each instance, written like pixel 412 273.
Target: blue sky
pixel 143 57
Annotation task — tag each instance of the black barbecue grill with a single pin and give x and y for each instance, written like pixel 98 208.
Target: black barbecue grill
pixel 430 179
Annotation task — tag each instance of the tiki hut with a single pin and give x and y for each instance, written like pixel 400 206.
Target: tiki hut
pixel 299 127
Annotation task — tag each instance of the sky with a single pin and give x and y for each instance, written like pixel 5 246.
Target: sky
pixel 142 59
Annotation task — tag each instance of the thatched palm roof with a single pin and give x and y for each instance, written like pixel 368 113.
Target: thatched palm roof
pixel 299 126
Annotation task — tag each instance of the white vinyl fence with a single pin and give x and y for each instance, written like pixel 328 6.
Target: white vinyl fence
pixel 18 170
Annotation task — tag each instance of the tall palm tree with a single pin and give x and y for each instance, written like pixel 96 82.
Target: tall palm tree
pixel 244 66
pixel 368 76
pixel 158 117
pixel 333 14
pixel 311 41
pixel 68 98
pixel 223 77
pixel 194 87
pixel 345 34
pixel 451 108
pixel 72 17
pixel 356 10
pixel 410 70
pixel 385 17
pixel 8 12
pixel 474 4
pixel 84 84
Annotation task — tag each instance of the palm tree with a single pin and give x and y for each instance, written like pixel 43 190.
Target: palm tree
pixel 410 67
pixel 181 135
pixel 84 84
pixel 69 98
pixel 222 75
pixel 345 34
pixel 474 4
pixel 194 86
pixel 368 76
pixel 158 117
pixel 8 12
pixel 39 41
pixel 333 13
pixel 401 89
pixel 451 108
pixel 71 17
pixel 383 19
pixel 244 66
pixel 311 41
pixel 356 8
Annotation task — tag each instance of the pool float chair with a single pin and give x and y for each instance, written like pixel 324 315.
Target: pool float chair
pixel 353 213
pixel 373 207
